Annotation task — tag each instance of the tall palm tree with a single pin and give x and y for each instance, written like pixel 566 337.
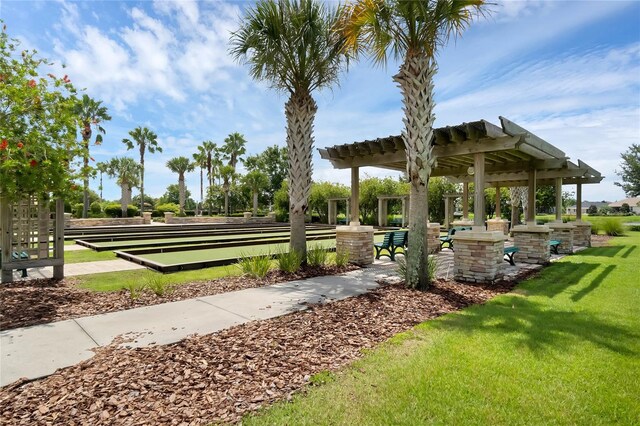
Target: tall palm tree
pixel 412 31
pixel 227 174
pixel 200 160
pixel 146 140
pixel 102 168
pixel 292 45
pixel 256 181
pixel 127 172
pixel 234 148
pixel 207 149
pixel 90 113
pixel 180 165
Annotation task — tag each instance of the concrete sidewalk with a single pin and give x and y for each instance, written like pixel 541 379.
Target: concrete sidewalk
pixel 40 350
pixel 83 268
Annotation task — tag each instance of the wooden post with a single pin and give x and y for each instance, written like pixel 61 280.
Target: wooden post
pixel 58 242
pixel 559 199
pixel 5 225
pixel 478 196
pixel 498 210
pixel 531 199
pixel 355 196
pixel 579 202
pixel 404 212
pixel 465 201
pixel 447 213
pixel 381 221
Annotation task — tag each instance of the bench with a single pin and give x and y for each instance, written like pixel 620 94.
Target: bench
pixel 554 244
pixel 448 238
pixel 24 256
pixel 386 244
pixel 509 252
pixel 395 222
pixel 400 241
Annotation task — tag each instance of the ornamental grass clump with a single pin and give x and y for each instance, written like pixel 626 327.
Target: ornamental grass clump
pixel 317 256
pixel 432 267
pixel 612 227
pixel 159 284
pixel 341 258
pixel 255 266
pixel 289 261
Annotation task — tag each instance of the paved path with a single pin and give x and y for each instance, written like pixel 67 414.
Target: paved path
pixel 75 247
pixel 40 350
pixel 85 268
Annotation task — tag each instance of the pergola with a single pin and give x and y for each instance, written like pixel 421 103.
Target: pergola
pixel 479 152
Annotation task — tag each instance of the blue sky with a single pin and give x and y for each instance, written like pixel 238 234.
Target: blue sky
pixel 569 71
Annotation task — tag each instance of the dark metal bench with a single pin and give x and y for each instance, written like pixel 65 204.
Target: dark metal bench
pixel 22 255
pixel 386 244
pixel 400 241
pixel 448 238
pixel 554 244
pixel 509 252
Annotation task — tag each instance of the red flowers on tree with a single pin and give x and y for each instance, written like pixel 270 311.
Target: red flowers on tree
pixel 33 163
pixel 4 145
pixel 32 83
pixel 20 145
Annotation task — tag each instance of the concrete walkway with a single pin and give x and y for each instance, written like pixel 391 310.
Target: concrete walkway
pixel 85 268
pixel 40 350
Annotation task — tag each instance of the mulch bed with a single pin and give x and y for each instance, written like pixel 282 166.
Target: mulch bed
pixel 25 303
pixel 220 377
pixel 600 240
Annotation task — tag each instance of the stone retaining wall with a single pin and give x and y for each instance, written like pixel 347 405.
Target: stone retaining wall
pixel 433 235
pixel 170 218
pixel 562 232
pixel 357 241
pixel 581 234
pixel 533 242
pixel 478 256
pixel 108 221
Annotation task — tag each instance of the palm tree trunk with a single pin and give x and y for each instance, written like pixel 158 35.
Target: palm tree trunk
pixel 125 198
pixel 141 181
pixel 415 78
pixel 255 203
pixel 300 112
pixel 201 190
pixel 85 173
pixel 181 193
pixel 226 202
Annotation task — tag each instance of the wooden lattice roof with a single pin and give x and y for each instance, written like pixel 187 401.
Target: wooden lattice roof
pixel 510 152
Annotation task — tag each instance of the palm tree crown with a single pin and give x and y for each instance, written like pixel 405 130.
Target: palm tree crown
pixel 181 165
pixel 127 172
pixel 234 148
pixel 146 140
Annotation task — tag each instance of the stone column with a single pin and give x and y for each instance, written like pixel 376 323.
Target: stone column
pixel 67 220
pixel 247 216
pixel 479 211
pixel 355 196
pixel 357 241
pixel 331 212
pixel 498 225
pixel 478 256
pixel 382 212
pixel 562 232
pixel 533 242
pixel 146 218
pixel 433 235
pixel 581 233
pixel 168 216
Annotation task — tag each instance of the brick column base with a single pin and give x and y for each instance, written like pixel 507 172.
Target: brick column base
pixel 478 256
pixel 498 225
pixel 357 241
pixel 146 217
pixel 533 242
pixel 433 237
pixel 581 234
pixel 562 232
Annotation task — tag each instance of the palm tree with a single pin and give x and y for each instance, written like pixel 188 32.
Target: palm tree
pixel 413 31
pixel 90 113
pixel 127 172
pixel 292 45
pixel 200 160
pixel 145 139
pixel 102 168
pixel 256 181
pixel 234 148
pixel 228 175
pixel 180 165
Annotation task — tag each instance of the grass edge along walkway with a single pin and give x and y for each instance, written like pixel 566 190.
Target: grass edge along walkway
pixel 562 348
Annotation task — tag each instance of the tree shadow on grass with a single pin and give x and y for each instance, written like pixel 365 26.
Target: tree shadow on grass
pixel 558 277
pixel 540 328
pixel 608 251
pixel 594 283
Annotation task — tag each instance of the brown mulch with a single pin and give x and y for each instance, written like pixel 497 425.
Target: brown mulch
pixel 222 376
pixel 25 303
pixel 600 240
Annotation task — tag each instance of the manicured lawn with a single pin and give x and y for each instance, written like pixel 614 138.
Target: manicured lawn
pixel 562 348
pixel 81 256
pixel 596 220
pixel 115 281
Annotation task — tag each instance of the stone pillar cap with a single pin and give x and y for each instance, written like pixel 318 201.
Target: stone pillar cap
pixel 492 236
pixel 531 228
pixel 354 228
pixel 558 225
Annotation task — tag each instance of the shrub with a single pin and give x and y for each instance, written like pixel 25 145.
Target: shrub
pixel 159 284
pixel 95 208
pixel 595 228
pixel 167 207
pixel 136 288
pixel 113 210
pixel 612 227
pixel 592 210
pixel 255 266
pixel 289 262
pixel 432 267
pixel 133 210
pixel 77 210
pixel 342 258
pixel 317 256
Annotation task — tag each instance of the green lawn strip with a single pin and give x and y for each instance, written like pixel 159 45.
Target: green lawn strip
pixel 203 239
pixel 82 256
pixel 563 348
pixel 596 220
pixel 114 281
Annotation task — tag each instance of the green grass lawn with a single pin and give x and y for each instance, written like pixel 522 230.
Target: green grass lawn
pixel 596 220
pixel 81 256
pixel 562 348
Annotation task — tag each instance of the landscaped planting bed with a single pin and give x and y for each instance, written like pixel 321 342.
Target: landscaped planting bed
pixel 220 377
